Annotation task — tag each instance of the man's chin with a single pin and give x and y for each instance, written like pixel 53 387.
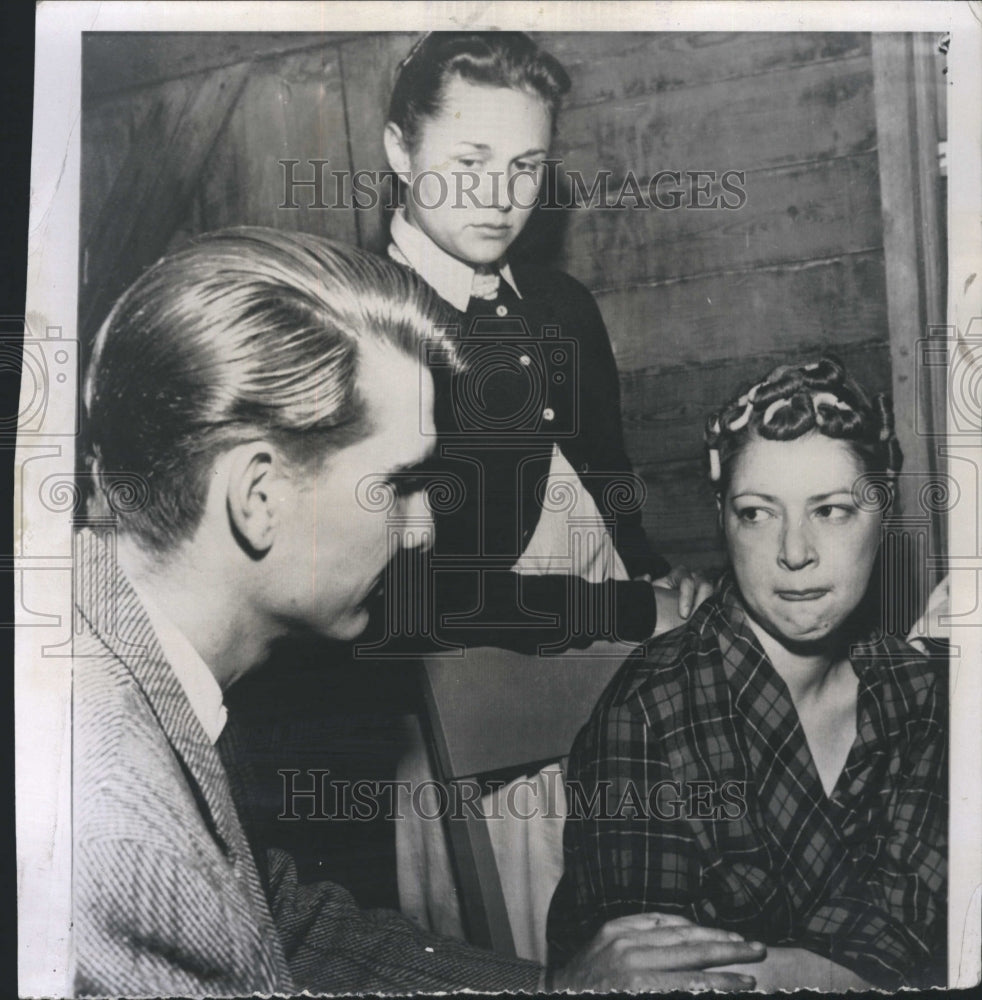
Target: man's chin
pixel 351 626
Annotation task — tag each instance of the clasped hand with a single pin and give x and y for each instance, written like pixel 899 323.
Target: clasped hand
pixel 657 952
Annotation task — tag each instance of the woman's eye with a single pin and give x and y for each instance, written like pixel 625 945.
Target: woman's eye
pixel 834 512
pixel 468 163
pixel 527 167
pixel 753 515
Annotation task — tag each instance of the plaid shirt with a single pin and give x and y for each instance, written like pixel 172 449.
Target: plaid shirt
pixel 706 802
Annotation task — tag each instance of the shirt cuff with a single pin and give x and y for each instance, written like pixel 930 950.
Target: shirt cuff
pixel 635 610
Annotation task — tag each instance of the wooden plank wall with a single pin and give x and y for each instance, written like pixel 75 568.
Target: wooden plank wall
pixel 700 301
pixel 697 301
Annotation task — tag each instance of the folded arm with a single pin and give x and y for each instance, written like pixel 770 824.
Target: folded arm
pixel 334 946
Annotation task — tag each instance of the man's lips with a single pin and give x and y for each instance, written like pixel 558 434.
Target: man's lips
pixel 811 594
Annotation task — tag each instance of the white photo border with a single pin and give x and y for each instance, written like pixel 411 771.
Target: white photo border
pixel 42 556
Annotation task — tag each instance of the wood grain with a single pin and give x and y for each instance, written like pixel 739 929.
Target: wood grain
pixel 369 65
pixel 802 212
pixel 291 109
pixel 154 186
pixel 107 135
pixel 762 311
pixel 680 511
pixel 608 66
pixel 791 116
pixel 123 61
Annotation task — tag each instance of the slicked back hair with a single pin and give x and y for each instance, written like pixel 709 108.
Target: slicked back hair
pixel 245 334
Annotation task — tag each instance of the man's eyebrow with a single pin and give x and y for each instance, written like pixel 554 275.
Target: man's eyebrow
pixel 482 146
pixel 420 466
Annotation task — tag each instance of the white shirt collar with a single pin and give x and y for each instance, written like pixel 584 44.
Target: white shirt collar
pixel 450 278
pixel 197 680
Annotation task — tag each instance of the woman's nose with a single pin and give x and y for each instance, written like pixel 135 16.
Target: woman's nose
pixel 797 546
pixel 495 191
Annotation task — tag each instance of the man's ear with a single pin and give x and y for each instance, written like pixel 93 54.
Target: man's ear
pixel 396 151
pixel 255 495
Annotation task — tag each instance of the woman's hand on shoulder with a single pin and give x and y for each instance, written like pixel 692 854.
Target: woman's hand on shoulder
pixel 934 623
pixel 677 595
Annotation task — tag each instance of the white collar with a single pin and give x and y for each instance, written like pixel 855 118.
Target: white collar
pixel 199 683
pixel 452 279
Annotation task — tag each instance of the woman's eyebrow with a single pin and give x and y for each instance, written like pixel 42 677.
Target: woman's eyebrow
pixel 817 498
pixel 844 491
pixel 482 146
pixel 754 493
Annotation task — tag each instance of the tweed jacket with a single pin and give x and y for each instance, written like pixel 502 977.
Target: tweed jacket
pixel 167 899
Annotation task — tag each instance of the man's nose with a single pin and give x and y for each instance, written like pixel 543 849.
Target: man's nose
pixel 797 546
pixel 418 528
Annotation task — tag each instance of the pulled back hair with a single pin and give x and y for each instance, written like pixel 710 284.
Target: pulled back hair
pixel 489 58
pixel 795 400
pixel 245 334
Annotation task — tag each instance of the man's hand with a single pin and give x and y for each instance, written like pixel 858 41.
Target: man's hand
pixel 799 969
pixel 657 952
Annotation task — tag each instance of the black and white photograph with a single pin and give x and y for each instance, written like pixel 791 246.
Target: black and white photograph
pixel 497 499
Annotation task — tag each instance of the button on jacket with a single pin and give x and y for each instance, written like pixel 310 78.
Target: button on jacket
pixel 539 370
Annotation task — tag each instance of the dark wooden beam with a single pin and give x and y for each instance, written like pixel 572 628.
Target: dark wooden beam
pixel 150 196
pixel 116 61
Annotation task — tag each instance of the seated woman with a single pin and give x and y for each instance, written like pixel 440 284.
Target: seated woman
pixel 777 765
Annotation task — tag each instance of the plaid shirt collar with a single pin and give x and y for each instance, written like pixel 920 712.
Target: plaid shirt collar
pixel 774 747
pixel 873 657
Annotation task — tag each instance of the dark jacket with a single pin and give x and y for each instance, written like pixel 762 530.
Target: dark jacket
pixel 542 373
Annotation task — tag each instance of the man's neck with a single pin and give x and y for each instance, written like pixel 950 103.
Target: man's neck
pixel 210 610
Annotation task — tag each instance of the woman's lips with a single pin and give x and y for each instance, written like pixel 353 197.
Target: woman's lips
pixel 494 232
pixel 811 594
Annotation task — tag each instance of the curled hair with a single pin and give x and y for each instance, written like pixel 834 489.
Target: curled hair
pixel 490 58
pixel 244 334
pixel 794 400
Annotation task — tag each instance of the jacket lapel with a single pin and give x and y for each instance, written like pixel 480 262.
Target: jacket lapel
pixel 111 610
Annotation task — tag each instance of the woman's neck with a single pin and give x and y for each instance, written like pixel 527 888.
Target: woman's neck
pixel 806 670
